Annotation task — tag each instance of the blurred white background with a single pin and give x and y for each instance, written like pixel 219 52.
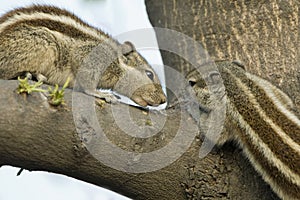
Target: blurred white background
pixel 114 17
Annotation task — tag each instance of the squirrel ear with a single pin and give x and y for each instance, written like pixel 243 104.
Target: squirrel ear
pixel 127 47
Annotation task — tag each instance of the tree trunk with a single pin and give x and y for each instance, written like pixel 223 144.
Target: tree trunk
pixel 36 136
pixel 262 35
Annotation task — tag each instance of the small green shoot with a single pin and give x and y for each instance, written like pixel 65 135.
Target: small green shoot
pixel 56 95
pixel 25 87
pixel 148 122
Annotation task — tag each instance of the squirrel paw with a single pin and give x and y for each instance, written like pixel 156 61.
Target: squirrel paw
pixel 108 97
pixel 41 78
pixel 28 75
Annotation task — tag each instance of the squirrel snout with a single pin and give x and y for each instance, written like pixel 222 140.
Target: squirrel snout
pixel 149 95
pixel 163 98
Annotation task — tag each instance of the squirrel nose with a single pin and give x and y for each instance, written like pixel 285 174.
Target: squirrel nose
pixel 163 99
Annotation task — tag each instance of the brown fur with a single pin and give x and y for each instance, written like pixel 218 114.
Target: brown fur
pixel 53 42
pixel 255 122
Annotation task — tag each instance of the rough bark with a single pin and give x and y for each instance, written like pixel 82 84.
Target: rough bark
pixel 263 35
pixel 36 136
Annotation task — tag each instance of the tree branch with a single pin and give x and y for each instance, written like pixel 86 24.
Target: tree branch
pixel 36 136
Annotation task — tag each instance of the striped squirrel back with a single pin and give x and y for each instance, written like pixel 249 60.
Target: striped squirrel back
pixel 53 43
pixel 261 120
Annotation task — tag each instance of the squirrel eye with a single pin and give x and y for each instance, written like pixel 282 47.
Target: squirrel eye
pixel 149 74
pixel 192 83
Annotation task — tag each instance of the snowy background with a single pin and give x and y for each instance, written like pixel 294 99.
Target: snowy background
pixel 114 17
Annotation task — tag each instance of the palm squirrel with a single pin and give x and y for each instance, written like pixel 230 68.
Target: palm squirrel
pixel 262 120
pixel 53 44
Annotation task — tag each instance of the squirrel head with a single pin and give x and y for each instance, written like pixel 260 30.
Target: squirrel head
pixel 132 76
